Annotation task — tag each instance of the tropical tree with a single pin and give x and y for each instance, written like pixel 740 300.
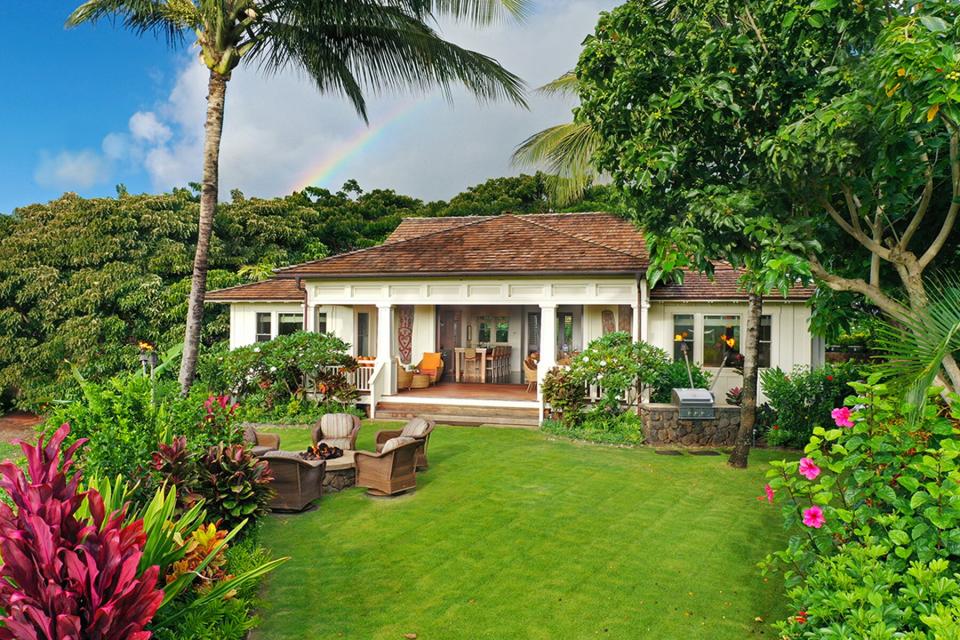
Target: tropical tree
pixel 565 149
pixel 344 46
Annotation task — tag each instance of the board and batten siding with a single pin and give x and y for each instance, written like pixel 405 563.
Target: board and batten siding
pixel 243 319
pixel 791 343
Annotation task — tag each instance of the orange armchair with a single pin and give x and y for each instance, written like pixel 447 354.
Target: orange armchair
pixel 431 365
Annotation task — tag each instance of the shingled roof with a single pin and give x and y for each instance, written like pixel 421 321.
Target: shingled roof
pixel 723 286
pixel 272 290
pixel 593 243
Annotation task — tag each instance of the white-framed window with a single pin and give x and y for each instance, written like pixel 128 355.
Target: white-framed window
pixel 721 339
pixel 321 323
pixel 264 326
pixel 288 323
pixel 363 333
pixel 684 327
pixel 766 341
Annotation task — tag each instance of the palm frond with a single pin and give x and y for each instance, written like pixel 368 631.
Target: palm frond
pixel 481 11
pixel 168 18
pixel 566 150
pixel 915 349
pixel 566 85
pixel 348 47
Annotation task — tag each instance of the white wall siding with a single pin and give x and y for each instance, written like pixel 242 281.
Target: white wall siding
pixel 243 319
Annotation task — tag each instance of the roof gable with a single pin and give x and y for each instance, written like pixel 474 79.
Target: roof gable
pixel 272 290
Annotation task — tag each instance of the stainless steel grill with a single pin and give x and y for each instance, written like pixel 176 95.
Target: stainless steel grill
pixel 695 404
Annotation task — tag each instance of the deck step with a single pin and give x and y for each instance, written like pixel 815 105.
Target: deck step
pixel 460 415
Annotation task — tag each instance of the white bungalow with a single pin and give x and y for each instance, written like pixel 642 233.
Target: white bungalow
pixel 544 283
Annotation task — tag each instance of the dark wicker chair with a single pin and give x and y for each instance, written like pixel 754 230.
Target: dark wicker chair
pixel 337 430
pixel 260 443
pixel 296 482
pixel 389 472
pixel 419 428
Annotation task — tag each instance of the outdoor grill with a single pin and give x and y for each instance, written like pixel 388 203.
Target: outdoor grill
pixel 695 404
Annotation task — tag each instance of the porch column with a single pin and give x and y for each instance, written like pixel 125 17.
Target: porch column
pixel 310 317
pixel 644 314
pixel 635 322
pixel 385 345
pixel 548 340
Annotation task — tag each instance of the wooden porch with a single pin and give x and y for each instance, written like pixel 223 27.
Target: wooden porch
pixel 473 391
pixel 465 404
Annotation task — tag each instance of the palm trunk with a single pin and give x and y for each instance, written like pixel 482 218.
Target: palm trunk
pixel 217 89
pixel 748 407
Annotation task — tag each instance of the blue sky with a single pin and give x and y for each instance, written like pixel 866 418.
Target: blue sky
pixel 88 108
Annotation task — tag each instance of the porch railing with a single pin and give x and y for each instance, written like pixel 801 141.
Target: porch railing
pixel 359 378
pixel 375 383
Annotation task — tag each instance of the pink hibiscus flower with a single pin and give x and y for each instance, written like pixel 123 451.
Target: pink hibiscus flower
pixel 841 417
pixel 813 517
pixel 809 469
pixel 769 493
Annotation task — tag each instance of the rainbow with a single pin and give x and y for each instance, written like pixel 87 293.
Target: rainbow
pixel 320 173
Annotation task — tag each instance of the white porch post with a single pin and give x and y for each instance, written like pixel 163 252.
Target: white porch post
pixel 309 318
pixel 644 314
pixel 635 322
pixel 548 348
pixel 385 345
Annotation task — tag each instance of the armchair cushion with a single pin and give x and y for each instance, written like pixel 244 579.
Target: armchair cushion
pixel 394 443
pixel 337 430
pixel 416 428
pixel 430 364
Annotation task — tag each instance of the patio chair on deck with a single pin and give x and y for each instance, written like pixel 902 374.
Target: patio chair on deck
pixel 530 373
pixel 417 428
pixel 431 365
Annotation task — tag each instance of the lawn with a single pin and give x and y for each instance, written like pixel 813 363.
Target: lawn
pixel 512 534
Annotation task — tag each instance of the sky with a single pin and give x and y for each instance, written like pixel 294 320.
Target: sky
pixel 85 109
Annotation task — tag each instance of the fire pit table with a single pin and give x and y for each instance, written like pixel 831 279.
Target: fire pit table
pixel 341 473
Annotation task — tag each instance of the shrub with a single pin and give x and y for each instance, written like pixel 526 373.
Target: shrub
pixel 565 395
pixel 875 510
pixel 235 484
pixel 674 376
pixel 63 577
pixel 803 400
pixel 625 428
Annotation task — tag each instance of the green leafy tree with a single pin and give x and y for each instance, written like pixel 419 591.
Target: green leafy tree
pixel 820 136
pixel 345 47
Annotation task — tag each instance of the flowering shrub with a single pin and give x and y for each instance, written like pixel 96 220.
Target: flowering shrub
pixel 875 509
pixel 270 373
pixel 63 577
pixel 565 395
pixel 803 399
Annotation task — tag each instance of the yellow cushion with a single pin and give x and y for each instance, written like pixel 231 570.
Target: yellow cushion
pixel 430 363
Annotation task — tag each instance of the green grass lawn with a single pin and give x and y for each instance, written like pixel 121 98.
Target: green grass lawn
pixel 512 534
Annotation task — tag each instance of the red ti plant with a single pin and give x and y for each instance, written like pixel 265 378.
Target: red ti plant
pixel 64 578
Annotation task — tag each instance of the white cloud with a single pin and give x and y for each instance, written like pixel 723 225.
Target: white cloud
pixel 145 126
pixel 278 130
pixel 71 170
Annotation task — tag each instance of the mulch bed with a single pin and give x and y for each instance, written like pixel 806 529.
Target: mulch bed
pixel 668 452
pixel 701 452
pixel 18 425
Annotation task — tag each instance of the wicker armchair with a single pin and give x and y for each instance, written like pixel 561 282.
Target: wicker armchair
pixel 391 471
pixel 296 482
pixel 431 365
pixel 417 428
pixel 530 373
pixel 337 430
pixel 404 377
pixel 260 443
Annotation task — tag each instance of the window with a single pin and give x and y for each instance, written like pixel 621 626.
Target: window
pixel 288 323
pixel 683 327
pixel 564 333
pixel 721 340
pixel 264 327
pixel 363 334
pixel 503 330
pixel 533 332
pixel 321 324
pixel 483 336
pixel 766 337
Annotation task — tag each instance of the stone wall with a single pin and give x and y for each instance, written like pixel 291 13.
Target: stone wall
pixel 662 425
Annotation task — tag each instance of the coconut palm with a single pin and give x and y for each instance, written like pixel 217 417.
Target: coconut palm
pixel 565 149
pixel 345 46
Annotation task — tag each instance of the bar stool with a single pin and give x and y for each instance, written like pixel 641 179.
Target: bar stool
pixel 471 366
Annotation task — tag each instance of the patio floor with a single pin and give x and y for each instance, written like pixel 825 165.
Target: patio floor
pixel 473 391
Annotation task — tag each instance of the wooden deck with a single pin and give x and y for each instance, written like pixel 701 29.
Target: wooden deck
pixel 473 391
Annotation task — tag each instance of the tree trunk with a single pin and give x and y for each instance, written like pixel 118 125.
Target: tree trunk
pixel 217 89
pixel 748 406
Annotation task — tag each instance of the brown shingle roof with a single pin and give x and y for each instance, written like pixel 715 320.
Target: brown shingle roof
pixel 272 290
pixel 505 244
pixel 699 286
pixel 414 227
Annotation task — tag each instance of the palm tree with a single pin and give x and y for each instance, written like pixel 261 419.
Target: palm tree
pixel 345 46
pixel 566 149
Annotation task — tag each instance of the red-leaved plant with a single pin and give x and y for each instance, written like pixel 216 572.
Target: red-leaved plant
pixel 63 578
